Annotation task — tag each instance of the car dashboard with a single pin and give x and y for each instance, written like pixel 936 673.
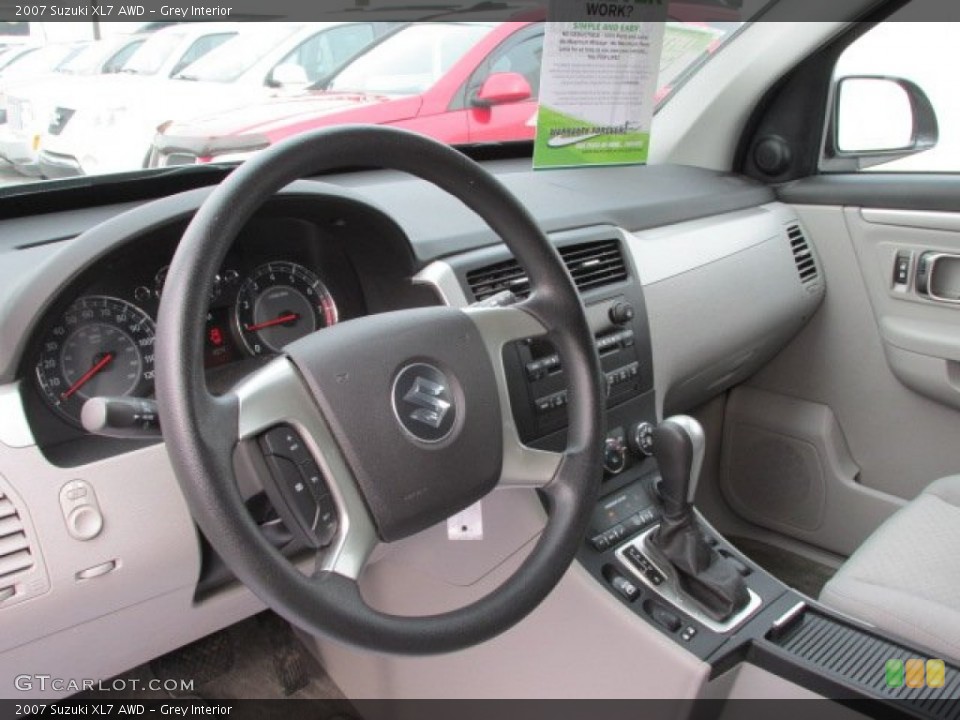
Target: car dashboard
pixel 691 280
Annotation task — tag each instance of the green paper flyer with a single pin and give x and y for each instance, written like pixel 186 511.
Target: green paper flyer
pixel 598 82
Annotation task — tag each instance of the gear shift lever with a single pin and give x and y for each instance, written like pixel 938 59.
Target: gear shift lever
pixel 678 445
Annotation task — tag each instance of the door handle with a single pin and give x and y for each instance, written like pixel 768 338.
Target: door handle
pixel 938 276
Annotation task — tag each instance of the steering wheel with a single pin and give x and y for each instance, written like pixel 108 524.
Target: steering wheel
pixel 428 385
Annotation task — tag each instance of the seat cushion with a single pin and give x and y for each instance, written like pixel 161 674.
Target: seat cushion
pixel 905 578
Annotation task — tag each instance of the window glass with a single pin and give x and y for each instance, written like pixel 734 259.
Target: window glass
pixel 523 58
pixel 326 51
pixel 199 48
pixel 120 58
pixel 150 57
pixel 235 57
pixel 46 59
pixel 411 61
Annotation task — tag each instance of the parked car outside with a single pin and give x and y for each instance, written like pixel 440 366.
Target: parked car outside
pixel 164 54
pixel 37 64
pixel 483 88
pixel 263 60
pixel 30 104
pixel 478 82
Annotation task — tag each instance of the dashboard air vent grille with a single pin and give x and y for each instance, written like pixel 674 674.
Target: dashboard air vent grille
pixel 802 255
pixel 15 555
pixel 591 264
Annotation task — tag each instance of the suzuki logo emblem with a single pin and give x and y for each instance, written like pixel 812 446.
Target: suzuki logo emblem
pixel 428 395
pixel 423 402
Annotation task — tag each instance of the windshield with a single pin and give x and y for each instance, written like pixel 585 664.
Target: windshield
pixel 463 83
pixel 232 59
pixel 150 57
pixel 9 56
pixel 409 62
pixel 89 59
pixel 46 59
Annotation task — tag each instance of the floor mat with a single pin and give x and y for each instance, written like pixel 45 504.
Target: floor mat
pixel 800 573
pixel 259 658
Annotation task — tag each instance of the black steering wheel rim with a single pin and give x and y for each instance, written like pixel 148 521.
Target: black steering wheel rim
pixel 199 429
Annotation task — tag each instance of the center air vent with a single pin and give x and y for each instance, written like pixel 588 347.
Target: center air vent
pixel 592 265
pixel 802 255
pixel 15 556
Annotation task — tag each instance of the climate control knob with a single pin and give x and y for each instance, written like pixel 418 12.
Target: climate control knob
pixel 641 439
pixel 621 313
pixel 614 456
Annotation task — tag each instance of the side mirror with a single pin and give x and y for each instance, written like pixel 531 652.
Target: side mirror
pixel 288 75
pixel 878 119
pixel 502 88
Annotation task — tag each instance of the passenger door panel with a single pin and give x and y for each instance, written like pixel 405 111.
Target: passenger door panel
pixel 883 361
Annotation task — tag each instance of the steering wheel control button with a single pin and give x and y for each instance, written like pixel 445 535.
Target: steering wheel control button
pixel 81 511
pixel 423 403
pixel 285 442
pixel 299 491
pixel 325 523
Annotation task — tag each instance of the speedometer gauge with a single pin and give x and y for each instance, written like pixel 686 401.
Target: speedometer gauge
pixel 279 303
pixel 100 346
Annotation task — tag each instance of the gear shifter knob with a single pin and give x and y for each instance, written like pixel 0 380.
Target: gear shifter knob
pixel 678 445
pixel 705 575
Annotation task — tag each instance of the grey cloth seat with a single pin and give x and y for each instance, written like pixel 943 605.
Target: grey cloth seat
pixel 905 578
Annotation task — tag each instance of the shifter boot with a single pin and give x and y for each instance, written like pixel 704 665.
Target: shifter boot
pixel 702 572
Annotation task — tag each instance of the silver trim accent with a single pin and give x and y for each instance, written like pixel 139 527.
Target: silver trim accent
pixel 694 431
pixel 14 429
pixel 641 429
pixel 670 590
pixel 523 466
pixel 275 394
pixel 441 277
pixel 788 616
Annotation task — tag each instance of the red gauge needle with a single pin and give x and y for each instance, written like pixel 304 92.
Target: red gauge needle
pixel 104 361
pixel 276 321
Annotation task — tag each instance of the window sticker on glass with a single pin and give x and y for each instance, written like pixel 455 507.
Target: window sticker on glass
pixel 598 82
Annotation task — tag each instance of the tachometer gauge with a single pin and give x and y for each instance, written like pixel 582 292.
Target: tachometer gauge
pixel 100 346
pixel 279 303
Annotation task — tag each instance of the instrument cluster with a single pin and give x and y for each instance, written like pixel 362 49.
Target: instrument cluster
pixel 100 342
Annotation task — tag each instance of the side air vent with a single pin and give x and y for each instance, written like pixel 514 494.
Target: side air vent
pixel 15 555
pixel 592 265
pixel 802 255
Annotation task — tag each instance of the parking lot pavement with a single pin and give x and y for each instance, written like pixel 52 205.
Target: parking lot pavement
pixel 9 176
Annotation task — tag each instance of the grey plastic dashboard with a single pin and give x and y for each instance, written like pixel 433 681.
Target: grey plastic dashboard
pixel 711 251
